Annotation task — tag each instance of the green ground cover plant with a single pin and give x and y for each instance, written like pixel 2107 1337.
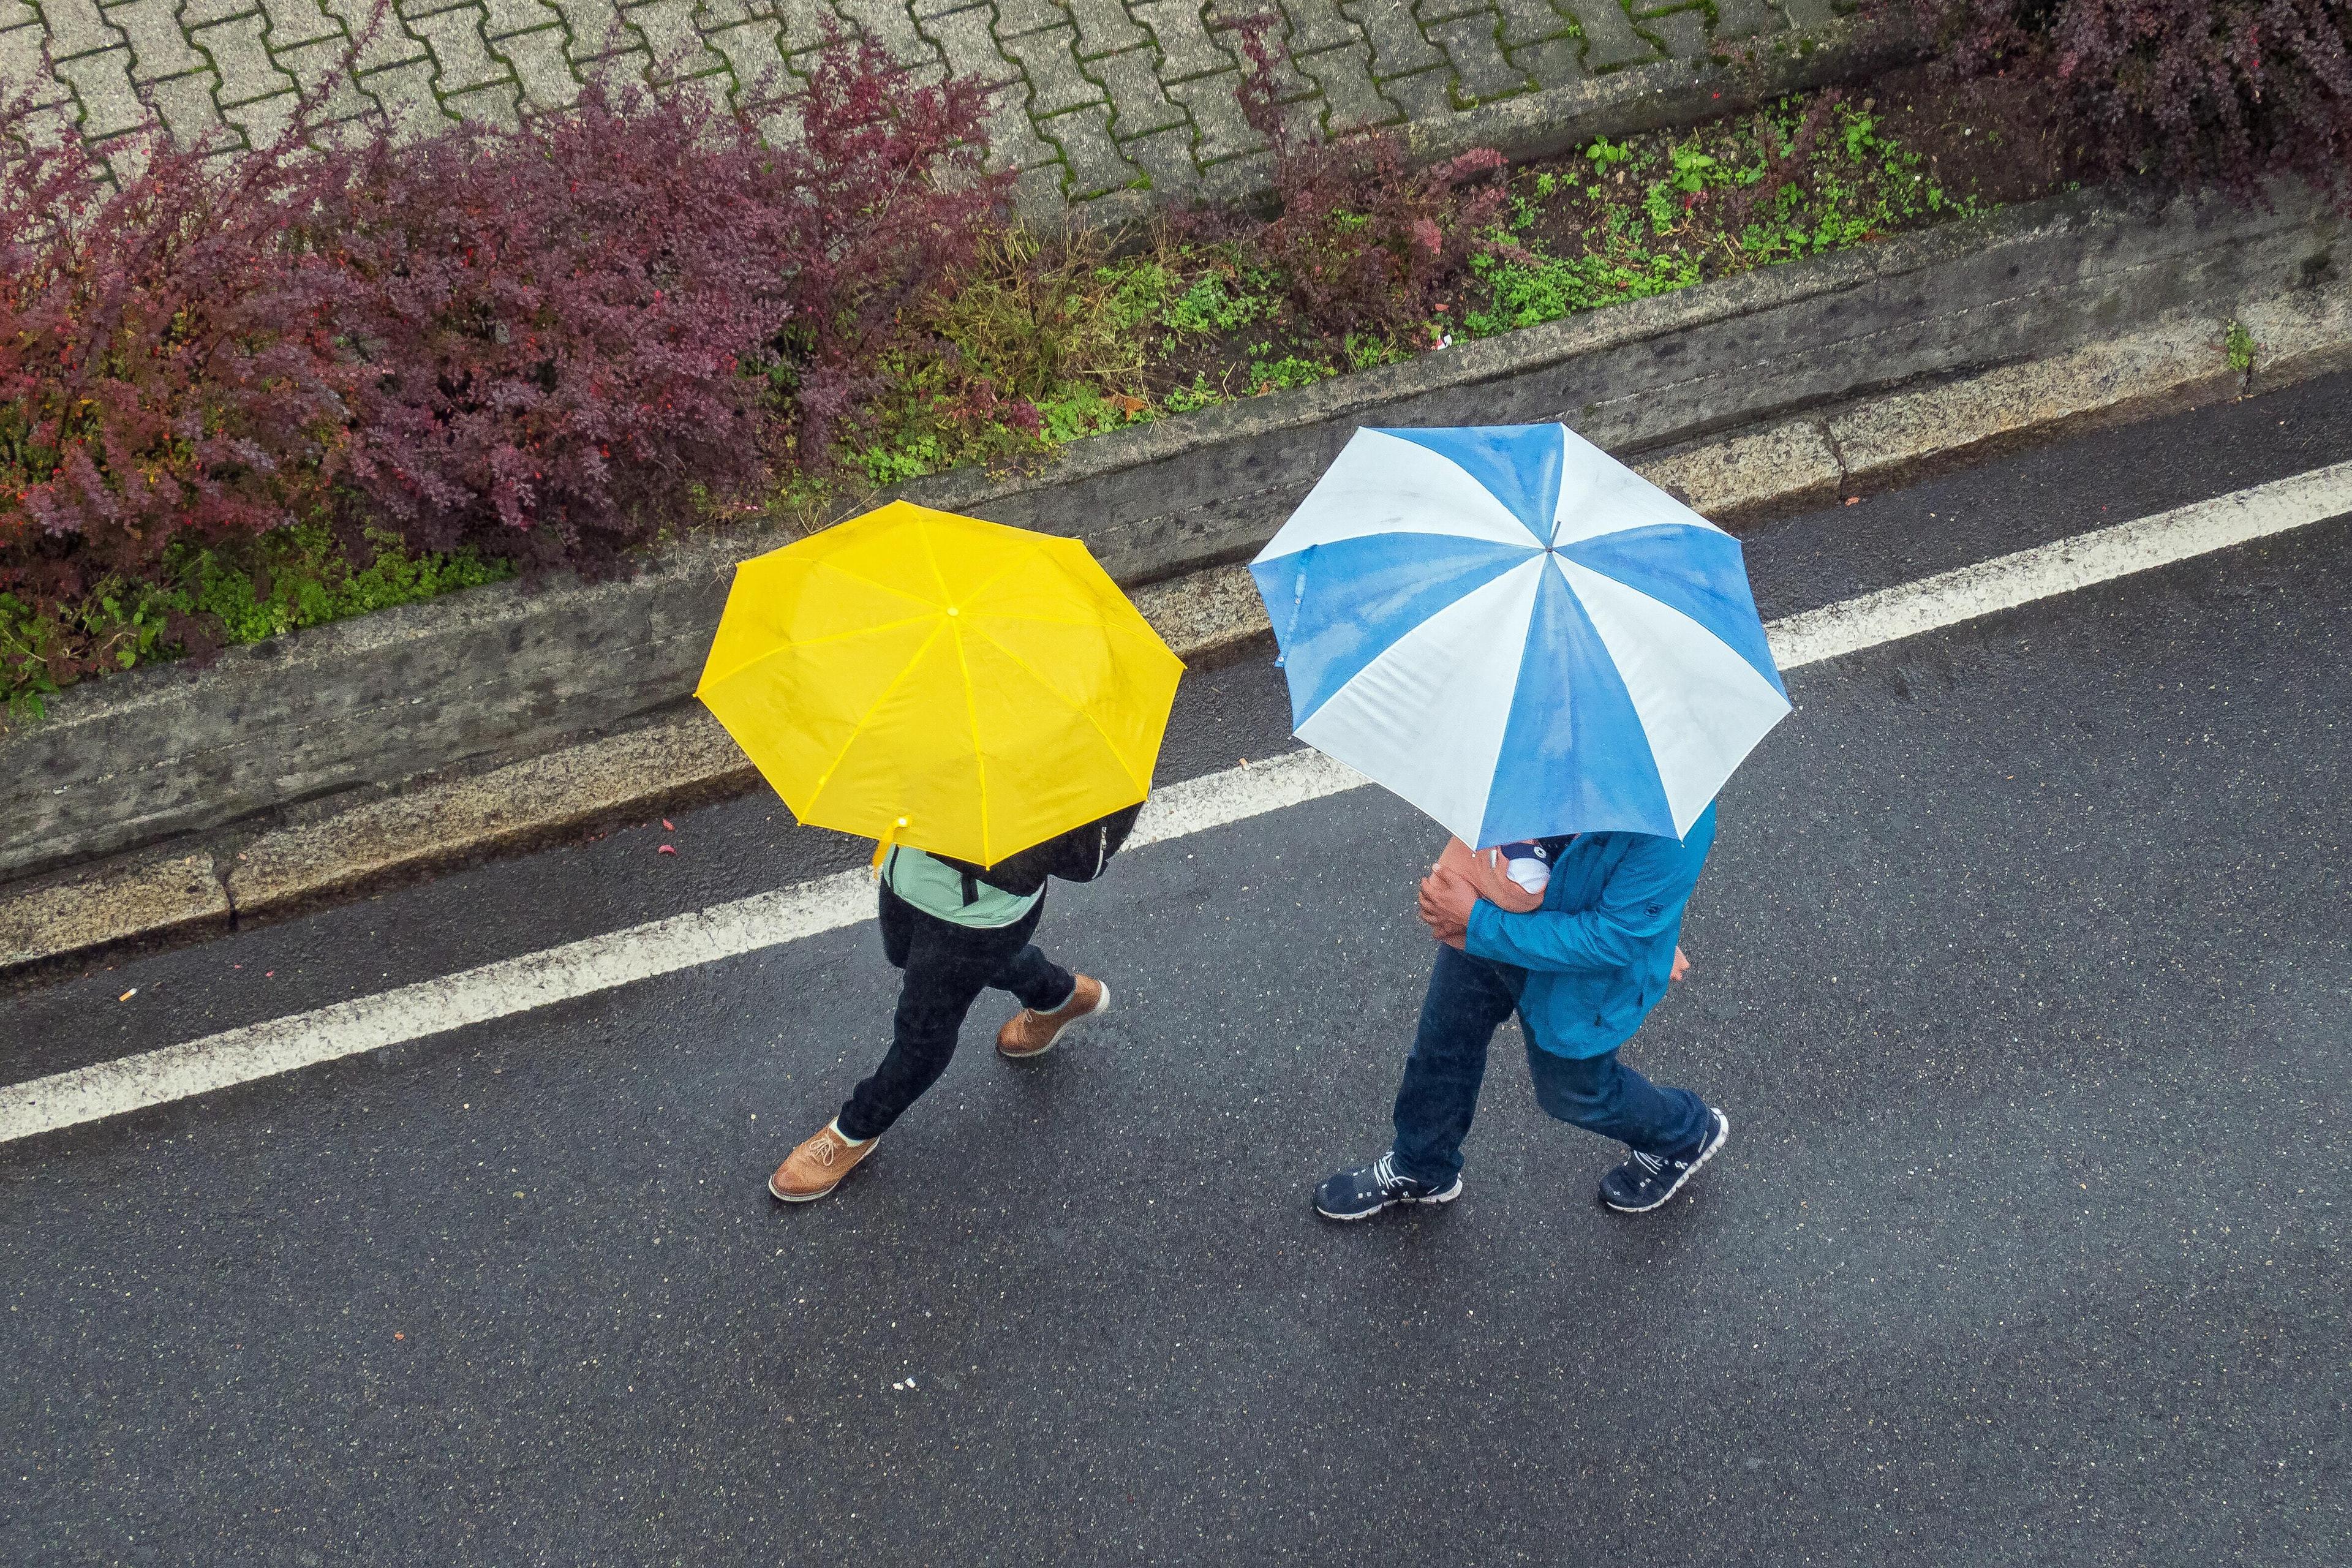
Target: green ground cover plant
pixel 1202 313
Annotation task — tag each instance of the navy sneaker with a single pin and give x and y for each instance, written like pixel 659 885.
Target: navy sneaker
pixel 1365 1191
pixel 1645 1182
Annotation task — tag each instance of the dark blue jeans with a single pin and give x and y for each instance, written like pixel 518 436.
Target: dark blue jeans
pixel 947 966
pixel 1468 999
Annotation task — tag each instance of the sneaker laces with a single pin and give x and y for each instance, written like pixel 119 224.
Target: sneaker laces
pixel 1384 1174
pixel 1650 1164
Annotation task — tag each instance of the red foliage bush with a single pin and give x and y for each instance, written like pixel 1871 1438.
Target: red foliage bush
pixel 891 200
pixel 1365 241
pixel 158 378
pixel 547 343
pixel 557 324
pixel 2223 90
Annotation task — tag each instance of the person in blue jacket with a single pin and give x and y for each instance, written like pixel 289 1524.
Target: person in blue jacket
pixel 1581 971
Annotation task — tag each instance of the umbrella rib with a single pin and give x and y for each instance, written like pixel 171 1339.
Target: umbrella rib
pixel 825 781
pixel 1096 724
pixel 797 644
pixel 970 701
pixel 826 563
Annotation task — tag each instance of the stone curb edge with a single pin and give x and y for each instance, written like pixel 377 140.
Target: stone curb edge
pixel 158 898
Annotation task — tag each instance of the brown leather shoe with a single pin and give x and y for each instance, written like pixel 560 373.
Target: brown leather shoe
pixel 817 1167
pixel 1030 1033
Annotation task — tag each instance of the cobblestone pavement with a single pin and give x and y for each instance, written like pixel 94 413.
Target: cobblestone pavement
pixel 1097 97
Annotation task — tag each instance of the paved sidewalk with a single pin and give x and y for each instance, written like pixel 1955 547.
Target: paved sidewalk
pixel 1100 97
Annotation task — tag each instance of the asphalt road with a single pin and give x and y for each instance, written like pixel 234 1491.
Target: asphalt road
pixel 2023 967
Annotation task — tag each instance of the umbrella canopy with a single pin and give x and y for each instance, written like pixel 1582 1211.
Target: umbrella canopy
pixel 1517 634
pixel 938 681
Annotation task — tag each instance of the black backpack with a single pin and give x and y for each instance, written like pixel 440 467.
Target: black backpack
pixel 1077 856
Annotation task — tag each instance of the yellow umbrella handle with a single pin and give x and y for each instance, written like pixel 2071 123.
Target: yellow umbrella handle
pixel 882 846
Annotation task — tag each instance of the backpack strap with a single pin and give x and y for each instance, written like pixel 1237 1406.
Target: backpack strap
pixel 971 889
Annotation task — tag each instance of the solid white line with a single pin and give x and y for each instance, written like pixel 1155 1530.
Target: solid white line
pixel 2003 583
pixel 605 963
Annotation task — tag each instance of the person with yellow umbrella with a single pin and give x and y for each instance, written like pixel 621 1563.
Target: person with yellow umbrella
pixel 985 704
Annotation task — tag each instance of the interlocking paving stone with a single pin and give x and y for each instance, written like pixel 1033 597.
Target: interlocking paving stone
pixel 1532 21
pixel 462 61
pixel 1185 47
pixel 294 22
pixel 1398 48
pixel 1683 32
pixel 189 110
pixel 889 23
pixel 76 27
pixel 492 105
pixel 1104 28
pixel 1481 74
pixel 1166 159
pixel 1139 105
pixel 504 19
pixel 1091 100
pixel 319 68
pixel 382 39
pixel 1092 158
pixel 595 29
pixel 1609 36
pixel 1015 17
pixel 1216 114
pixel 1426 12
pixel 404 95
pixel 753 60
pixel 247 72
pixel 264 121
pixel 158 47
pixel 194 14
pixel 1555 62
pixel 539 65
pixel 23 66
pixel 1317 24
pixel 1353 103
pixel 103 86
pixel 1050 61
pixel 1424 95
pixel 668 28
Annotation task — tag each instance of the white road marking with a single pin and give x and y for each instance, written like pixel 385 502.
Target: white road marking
pixel 601 963
pixel 2003 583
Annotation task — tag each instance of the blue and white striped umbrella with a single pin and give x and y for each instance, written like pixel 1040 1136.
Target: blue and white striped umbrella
pixel 1519 634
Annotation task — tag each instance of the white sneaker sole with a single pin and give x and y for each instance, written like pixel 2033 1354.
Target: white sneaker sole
pixel 1102 1005
pixel 1447 1197
pixel 1722 1136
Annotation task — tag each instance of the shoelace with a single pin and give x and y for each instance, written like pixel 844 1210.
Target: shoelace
pixel 825 1150
pixel 1384 1173
pixel 1648 1162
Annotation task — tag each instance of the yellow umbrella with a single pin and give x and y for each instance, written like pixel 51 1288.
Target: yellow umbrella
pixel 942 682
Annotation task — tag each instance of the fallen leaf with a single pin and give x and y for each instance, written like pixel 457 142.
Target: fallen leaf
pixel 400 1336
pixel 1853 500
pixel 666 850
pixel 667 827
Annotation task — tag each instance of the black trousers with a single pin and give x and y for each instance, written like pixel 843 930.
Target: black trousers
pixel 946 967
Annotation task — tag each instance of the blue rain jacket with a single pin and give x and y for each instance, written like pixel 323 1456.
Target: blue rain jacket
pixel 1597 952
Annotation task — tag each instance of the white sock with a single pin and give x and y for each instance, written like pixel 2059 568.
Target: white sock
pixel 853 1142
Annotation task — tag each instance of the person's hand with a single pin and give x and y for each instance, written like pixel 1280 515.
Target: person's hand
pixel 1446 900
pixel 1681 968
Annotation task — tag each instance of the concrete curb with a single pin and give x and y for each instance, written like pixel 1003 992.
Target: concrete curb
pixel 1209 616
